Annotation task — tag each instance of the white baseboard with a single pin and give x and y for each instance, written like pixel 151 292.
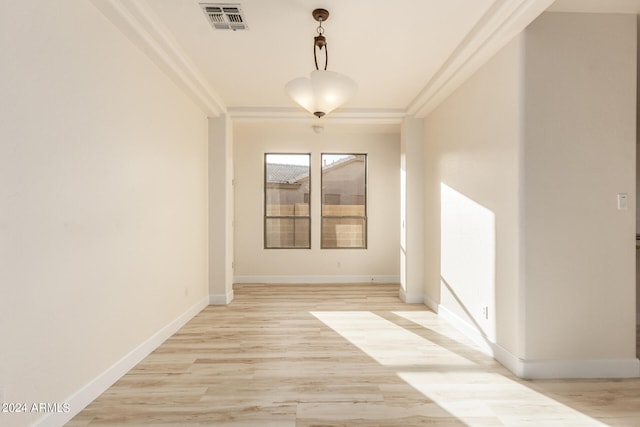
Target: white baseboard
pixel 478 338
pixel 411 298
pixel 223 299
pixel 580 368
pixel 316 279
pixel 87 394
pixel 543 369
pixel 432 304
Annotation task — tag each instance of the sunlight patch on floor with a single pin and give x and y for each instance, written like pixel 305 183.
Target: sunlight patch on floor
pixel 386 342
pixel 430 320
pixel 467 395
pixel 459 386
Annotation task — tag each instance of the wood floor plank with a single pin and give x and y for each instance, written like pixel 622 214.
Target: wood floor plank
pixel 341 355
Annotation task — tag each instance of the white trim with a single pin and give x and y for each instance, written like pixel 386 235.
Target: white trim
pixel 543 369
pixel 316 279
pixel 502 21
pixel 89 392
pixel 468 329
pixel 432 304
pixel 343 115
pixel 411 298
pixel 580 368
pixel 221 299
pixel 507 359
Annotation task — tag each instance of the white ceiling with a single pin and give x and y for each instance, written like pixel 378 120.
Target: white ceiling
pixel 390 48
pixel 405 55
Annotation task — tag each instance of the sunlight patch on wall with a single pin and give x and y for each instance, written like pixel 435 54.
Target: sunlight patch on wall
pixel 468 259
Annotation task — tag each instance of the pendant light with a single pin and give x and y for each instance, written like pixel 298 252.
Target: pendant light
pixel 325 90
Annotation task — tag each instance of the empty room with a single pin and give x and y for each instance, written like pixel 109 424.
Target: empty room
pixel 333 213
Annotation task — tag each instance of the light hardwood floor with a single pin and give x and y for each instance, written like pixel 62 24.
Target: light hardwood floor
pixel 341 355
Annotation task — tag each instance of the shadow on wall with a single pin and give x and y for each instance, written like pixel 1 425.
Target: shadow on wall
pixel 468 260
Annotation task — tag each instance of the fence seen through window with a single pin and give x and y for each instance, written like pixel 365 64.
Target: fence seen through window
pixel 287 187
pixel 344 201
pixel 287 213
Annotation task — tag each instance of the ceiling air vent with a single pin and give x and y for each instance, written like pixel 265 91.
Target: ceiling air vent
pixel 224 16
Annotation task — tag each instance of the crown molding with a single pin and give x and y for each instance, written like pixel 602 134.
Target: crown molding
pixel 502 21
pixel 343 115
pixel 136 20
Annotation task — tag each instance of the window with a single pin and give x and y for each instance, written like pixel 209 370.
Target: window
pixel 344 201
pixel 286 201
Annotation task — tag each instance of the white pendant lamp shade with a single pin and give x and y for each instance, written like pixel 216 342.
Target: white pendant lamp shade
pixel 323 92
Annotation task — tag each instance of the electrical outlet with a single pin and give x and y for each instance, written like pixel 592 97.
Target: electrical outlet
pixel 186 291
pixel 623 201
pixel 485 312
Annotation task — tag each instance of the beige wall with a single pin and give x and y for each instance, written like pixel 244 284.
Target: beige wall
pixel 412 214
pixel 637 172
pixel 533 151
pixel 579 154
pixel 220 210
pixel 380 260
pixel 472 200
pixel 103 200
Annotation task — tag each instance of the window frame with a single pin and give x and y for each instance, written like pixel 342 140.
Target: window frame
pixel 291 217
pixel 364 218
